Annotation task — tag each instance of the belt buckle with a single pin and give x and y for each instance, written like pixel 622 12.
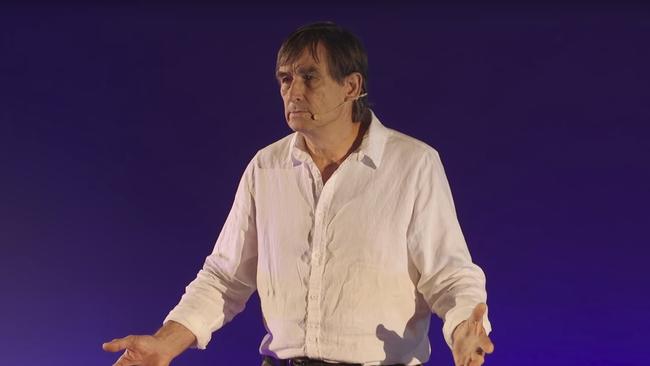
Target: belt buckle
pixel 298 361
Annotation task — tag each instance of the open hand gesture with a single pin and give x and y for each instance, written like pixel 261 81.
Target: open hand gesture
pixel 140 350
pixel 470 341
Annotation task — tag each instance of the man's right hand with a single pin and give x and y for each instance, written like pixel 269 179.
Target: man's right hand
pixel 141 350
pixel 152 350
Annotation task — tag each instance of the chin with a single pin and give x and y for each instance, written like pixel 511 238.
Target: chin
pixel 300 124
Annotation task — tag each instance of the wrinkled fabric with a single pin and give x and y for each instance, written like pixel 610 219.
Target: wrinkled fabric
pixel 347 271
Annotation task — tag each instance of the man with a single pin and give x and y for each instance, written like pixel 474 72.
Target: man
pixel 346 229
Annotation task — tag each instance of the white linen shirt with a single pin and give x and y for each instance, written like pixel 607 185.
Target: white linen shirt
pixel 347 271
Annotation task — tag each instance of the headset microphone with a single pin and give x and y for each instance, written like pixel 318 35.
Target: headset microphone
pixel 317 116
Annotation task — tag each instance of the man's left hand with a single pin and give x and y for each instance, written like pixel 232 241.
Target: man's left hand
pixel 470 342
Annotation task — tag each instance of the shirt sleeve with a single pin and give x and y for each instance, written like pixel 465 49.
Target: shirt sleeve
pixel 228 277
pixel 449 281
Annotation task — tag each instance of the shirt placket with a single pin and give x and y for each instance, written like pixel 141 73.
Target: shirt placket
pixel 315 275
pixel 324 196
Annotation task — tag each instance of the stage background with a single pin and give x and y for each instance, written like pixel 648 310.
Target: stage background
pixel 124 130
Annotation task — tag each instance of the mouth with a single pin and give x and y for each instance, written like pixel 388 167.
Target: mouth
pixel 298 113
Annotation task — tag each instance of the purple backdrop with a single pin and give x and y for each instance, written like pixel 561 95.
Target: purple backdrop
pixel 125 129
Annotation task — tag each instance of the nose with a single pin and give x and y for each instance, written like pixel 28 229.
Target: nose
pixel 295 91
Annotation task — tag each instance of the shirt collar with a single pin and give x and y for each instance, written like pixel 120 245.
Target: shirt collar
pixel 369 152
pixel 374 141
pixel 297 149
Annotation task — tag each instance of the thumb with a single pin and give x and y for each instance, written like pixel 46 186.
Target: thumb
pixel 117 344
pixel 486 344
pixel 478 312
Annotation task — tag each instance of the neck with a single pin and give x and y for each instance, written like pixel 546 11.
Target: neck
pixel 332 147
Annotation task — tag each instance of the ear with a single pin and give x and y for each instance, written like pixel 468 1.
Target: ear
pixel 353 83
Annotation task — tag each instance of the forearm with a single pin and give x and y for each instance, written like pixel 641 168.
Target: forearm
pixel 211 300
pixel 176 337
pixel 453 294
pixel 457 301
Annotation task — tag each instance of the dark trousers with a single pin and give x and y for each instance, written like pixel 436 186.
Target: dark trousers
pixel 303 361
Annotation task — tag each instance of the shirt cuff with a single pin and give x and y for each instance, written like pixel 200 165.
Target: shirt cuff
pixel 194 325
pixel 456 316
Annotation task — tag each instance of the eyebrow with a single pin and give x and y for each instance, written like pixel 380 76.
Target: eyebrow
pixel 309 70
pixel 300 71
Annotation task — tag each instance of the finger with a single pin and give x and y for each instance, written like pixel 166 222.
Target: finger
pixel 468 361
pixel 457 360
pixel 476 359
pixel 486 344
pixel 458 357
pixel 478 312
pixel 125 360
pixel 117 344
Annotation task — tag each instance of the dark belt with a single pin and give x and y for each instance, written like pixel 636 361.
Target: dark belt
pixel 304 361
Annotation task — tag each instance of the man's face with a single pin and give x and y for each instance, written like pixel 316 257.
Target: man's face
pixel 307 89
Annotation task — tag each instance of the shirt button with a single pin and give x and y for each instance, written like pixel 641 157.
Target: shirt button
pixel 313 297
